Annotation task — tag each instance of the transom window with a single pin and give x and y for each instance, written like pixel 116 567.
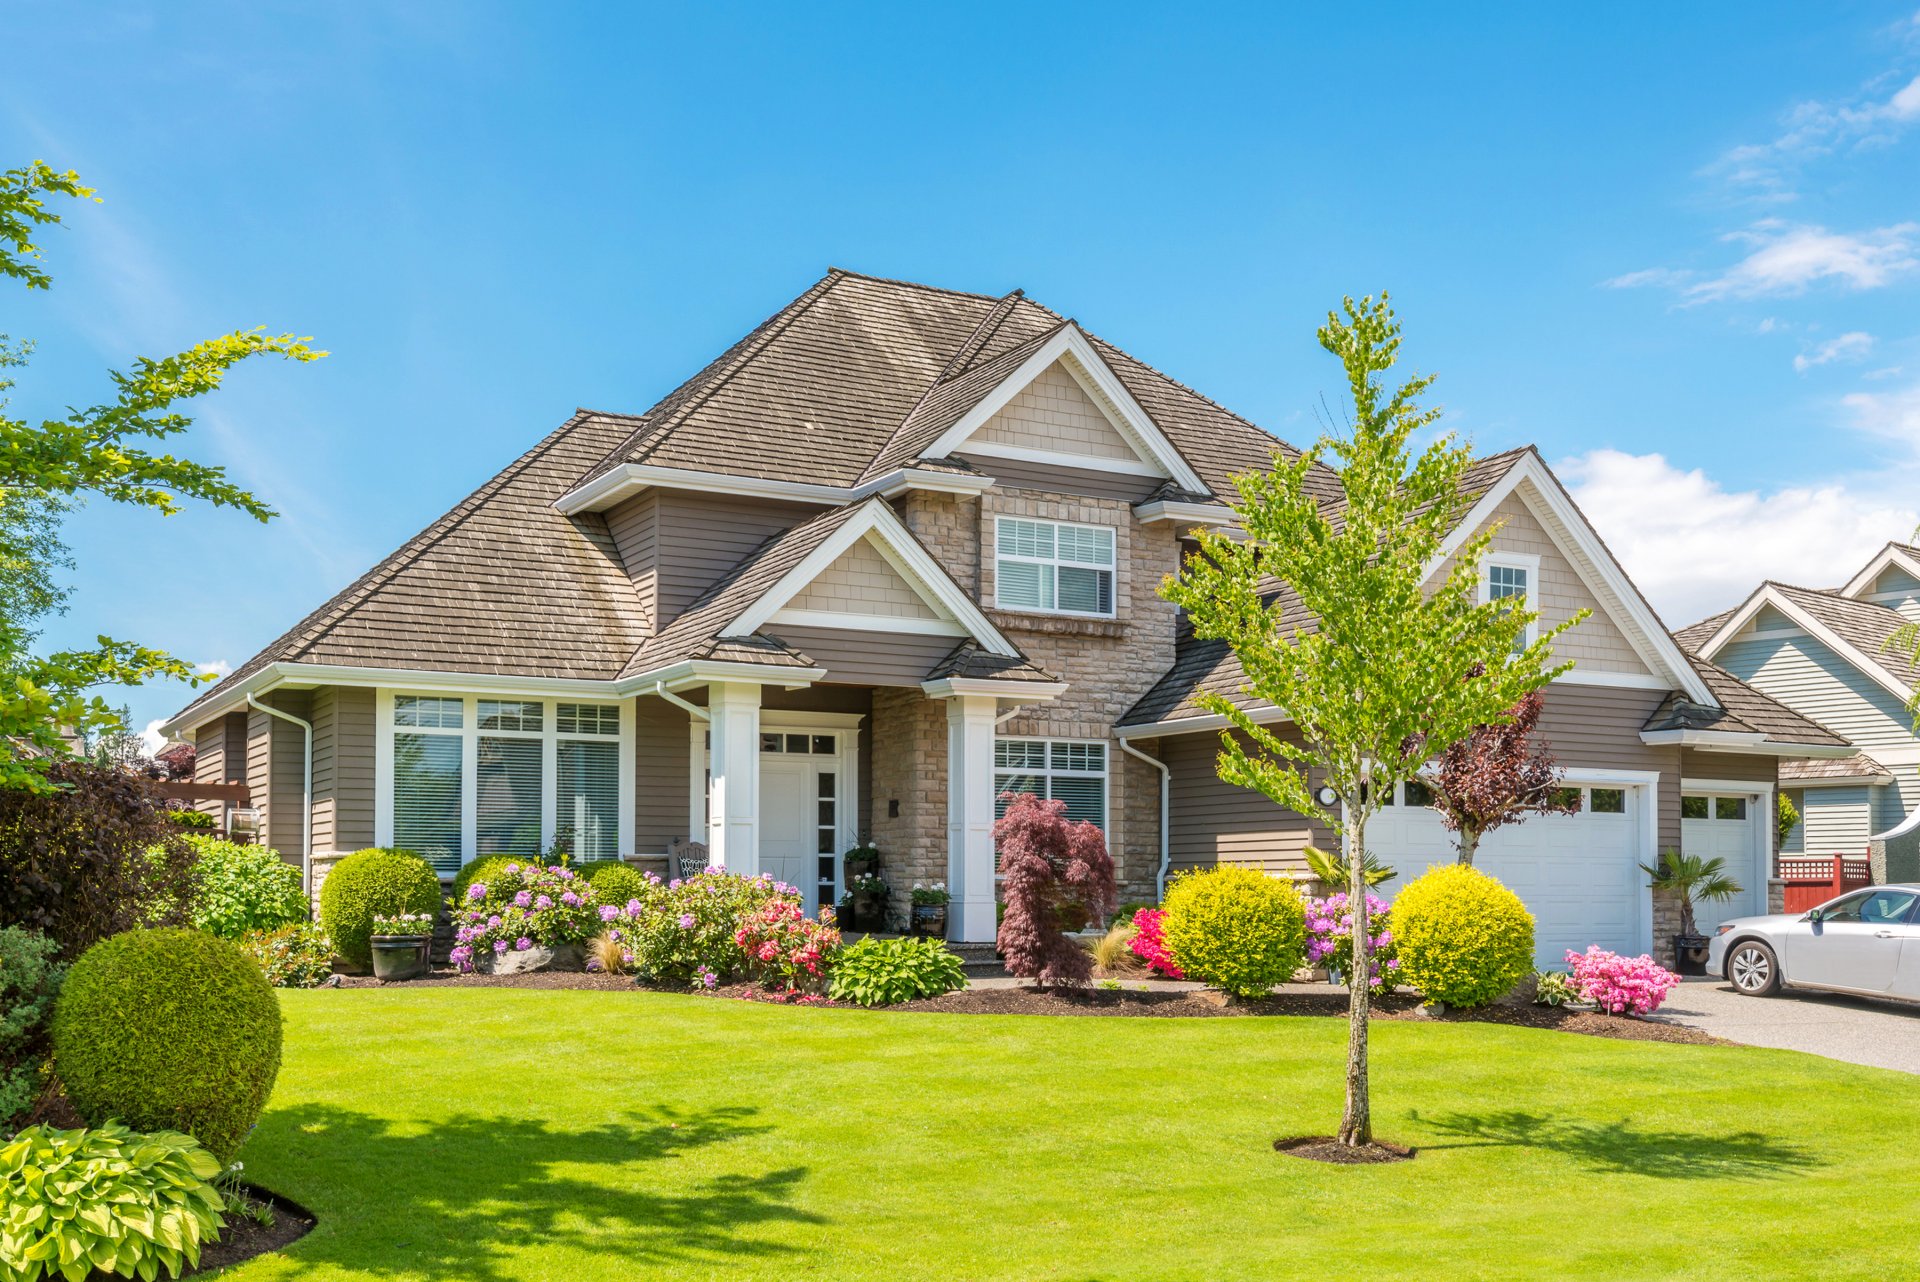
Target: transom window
pixel 818 745
pixel 1049 565
pixel 1069 770
pixel 478 776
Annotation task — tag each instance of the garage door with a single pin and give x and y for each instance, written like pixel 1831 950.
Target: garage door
pixel 1727 826
pixel 1579 874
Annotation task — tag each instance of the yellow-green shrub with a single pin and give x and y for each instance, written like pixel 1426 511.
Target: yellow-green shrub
pixel 1236 928
pixel 1463 938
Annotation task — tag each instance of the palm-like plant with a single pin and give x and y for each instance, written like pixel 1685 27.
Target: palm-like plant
pixel 1692 877
pixel 1334 874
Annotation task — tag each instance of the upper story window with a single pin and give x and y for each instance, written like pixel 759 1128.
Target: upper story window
pixel 1053 566
pixel 1512 574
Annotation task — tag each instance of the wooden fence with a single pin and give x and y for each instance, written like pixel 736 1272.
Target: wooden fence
pixel 1812 881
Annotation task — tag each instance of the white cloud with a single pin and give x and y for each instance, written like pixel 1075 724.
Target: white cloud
pixel 1696 548
pixel 1892 416
pixel 1852 346
pixel 215 667
pixel 1874 117
pixel 151 737
pixel 1787 258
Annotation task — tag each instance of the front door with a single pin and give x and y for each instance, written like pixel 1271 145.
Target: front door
pixel 800 815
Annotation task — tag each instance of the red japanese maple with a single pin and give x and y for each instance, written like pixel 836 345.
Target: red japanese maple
pixel 1496 776
pixel 1046 863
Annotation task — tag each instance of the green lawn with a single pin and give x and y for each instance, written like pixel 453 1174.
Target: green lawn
pixel 513 1134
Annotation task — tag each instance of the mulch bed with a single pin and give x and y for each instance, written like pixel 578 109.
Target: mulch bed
pixel 1131 1002
pixel 1325 1148
pixel 243 1237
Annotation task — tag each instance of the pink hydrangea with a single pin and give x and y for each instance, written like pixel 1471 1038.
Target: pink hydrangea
pixel 1619 985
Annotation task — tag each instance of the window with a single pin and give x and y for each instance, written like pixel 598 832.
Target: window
pixel 1510 575
pixel 586 798
pixel 1874 907
pixel 1696 807
pixel 587 718
pixel 1056 770
pixel 1568 797
pixel 1729 807
pixel 1693 807
pixel 1045 565
pixel 819 745
pixel 426 795
pixel 1607 801
pixel 1418 794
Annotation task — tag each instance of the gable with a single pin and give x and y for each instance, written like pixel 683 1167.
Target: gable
pixel 1054 413
pixel 1816 681
pixel 1599 644
pixel 862 582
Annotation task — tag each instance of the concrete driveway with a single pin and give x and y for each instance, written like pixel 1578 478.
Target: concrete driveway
pixel 1857 1030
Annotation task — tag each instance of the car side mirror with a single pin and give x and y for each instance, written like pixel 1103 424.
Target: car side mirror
pixel 1812 914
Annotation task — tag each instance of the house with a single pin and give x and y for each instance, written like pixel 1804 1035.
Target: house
pixel 1828 654
pixel 891 555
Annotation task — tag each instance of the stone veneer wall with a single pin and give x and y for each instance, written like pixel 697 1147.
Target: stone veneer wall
pixel 1107 663
pixel 909 733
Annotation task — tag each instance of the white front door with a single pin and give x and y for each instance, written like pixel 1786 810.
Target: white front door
pixel 1728 827
pixel 786 832
pixel 801 796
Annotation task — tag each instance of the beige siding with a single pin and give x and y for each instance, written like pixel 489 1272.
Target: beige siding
pixel 662 751
pixel 1745 766
pixel 1214 822
pixel 862 581
pixel 1078 482
pixel 868 658
pixel 343 731
pixel 1599 727
pixel 634 526
pixel 1598 642
pixel 220 756
pixel 276 771
pixel 1054 413
pixel 702 536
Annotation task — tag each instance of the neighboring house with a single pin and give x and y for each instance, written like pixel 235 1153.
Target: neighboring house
pixel 1825 652
pixel 894 554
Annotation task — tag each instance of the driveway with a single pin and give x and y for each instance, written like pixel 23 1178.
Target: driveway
pixel 1857 1030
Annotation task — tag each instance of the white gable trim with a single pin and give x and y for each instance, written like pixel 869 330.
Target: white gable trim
pixel 1888 556
pixel 1544 497
pixel 850 622
pixel 899 547
pixel 1060 458
pixel 1102 386
pixel 1769 595
pixel 628 479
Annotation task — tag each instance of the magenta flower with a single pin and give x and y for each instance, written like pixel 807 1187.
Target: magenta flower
pixel 524 898
pixel 570 899
pixel 493 922
pixel 499 945
pixel 608 912
pixel 686 921
pixel 523 943
pixel 477 890
pixel 541 901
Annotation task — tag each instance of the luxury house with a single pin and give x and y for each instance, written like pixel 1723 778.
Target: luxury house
pixel 1828 654
pixel 892 555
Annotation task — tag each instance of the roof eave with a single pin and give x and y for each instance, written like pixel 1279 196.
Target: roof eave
pixel 1752 743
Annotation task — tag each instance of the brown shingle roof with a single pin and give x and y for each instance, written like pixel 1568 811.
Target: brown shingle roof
pixel 1743 710
pixel 1859 767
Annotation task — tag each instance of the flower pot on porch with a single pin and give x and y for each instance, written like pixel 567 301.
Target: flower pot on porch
pixel 869 912
pixel 930 921
pixel 1690 954
pixel 397 957
pixel 861 865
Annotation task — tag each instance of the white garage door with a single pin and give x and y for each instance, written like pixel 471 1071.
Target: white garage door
pixel 1728 826
pixel 1579 875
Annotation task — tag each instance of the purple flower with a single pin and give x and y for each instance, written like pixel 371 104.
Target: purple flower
pixel 523 943
pixel 523 898
pixel 674 884
pixel 513 867
pixel 608 912
pixel 570 899
pixel 614 935
pixel 653 879
pixel 541 901
pixel 634 908
pixel 477 890
pixel 686 921
pixel 493 922
pixel 499 945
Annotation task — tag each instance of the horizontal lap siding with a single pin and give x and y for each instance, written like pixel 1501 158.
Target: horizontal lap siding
pixel 634 527
pixel 700 537
pixel 1599 727
pixel 343 721
pixel 276 771
pixel 1744 766
pixel 661 805
pixel 1836 821
pixel 1214 822
pixel 868 658
pixel 1019 474
pixel 1810 678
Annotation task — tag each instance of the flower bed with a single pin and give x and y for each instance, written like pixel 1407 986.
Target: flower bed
pixel 524 907
pixel 1330 939
pixel 1621 985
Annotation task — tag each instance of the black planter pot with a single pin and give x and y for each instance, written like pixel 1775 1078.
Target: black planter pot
pixel 930 921
pixel 1690 954
pixel 398 957
pixel 869 912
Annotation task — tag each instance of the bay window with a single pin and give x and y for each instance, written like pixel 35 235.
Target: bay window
pixel 1055 567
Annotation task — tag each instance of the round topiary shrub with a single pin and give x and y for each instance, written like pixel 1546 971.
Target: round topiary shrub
pixel 613 882
pixel 484 869
pixel 369 883
pixel 1463 938
pixel 169 1030
pixel 1235 928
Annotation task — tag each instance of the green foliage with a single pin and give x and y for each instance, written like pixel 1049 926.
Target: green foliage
pixel 296 956
pixel 125 1204
pixel 29 982
pixel 195 819
pixel 169 1029
pixel 367 884
pixel 881 972
pixel 1464 939
pixel 1555 988
pixel 484 869
pixel 243 888
pixel 1236 928
pixel 613 882
pixel 1333 872
pixel 1786 817
pixel 1692 877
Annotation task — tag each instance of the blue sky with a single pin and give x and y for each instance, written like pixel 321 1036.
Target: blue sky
pixel 1677 248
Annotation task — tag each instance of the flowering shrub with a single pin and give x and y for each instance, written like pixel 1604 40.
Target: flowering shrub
pixel 296 956
pixel 1149 942
pixel 1621 984
pixel 1330 939
pixel 684 933
pixel 781 942
pixel 1046 864
pixel 524 906
pixel 1463 938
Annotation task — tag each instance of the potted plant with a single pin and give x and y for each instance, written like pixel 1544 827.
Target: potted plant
pixel 401 945
pixel 860 861
pixel 1692 877
pixel 930 909
pixel 869 891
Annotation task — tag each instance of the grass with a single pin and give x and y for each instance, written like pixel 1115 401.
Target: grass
pixel 511 1134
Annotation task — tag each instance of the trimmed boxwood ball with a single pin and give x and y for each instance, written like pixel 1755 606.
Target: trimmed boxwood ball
pixel 1462 937
pixel 486 868
pixel 366 884
pixel 613 882
pixel 1236 928
pixel 169 1030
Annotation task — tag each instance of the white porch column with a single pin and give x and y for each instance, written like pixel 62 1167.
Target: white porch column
pixel 733 810
pixel 970 817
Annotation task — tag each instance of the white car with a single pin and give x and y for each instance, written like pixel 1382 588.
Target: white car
pixel 1865 942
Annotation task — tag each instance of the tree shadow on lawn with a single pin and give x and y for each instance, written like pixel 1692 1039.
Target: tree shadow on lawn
pixel 1622 1148
pixel 472 1195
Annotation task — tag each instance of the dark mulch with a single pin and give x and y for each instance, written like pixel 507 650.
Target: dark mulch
pixel 446 977
pixel 243 1237
pixel 1324 1148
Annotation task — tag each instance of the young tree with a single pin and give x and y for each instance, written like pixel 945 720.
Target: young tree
pixel 1394 668
pixel 99 449
pixel 1046 863
pixel 1496 776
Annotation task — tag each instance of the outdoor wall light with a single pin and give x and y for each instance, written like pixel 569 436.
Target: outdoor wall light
pixel 243 819
pixel 1326 796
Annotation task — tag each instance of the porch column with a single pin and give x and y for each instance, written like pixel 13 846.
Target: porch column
pixel 733 809
pixel 970 817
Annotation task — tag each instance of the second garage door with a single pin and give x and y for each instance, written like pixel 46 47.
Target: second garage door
pixel 1579 874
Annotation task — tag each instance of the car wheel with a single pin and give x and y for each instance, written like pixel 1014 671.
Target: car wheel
pixel 1754 969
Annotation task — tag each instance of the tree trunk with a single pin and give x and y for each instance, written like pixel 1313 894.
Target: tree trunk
pixel 1469 839
pixel 1356 1125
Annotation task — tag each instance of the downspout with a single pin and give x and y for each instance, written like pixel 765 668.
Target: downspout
pixel 306 788
pixel 1166 791
pixel 694 710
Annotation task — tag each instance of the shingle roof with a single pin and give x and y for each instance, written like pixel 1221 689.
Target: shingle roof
pixel 1695 635
pixel 969 661
pixel 1859 767
pixel 1861 624
pixel 1742 710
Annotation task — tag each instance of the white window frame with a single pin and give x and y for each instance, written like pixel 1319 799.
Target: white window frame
pixel 1054 563
pixel 1525 561
pixel 470 735
pixel 1105 774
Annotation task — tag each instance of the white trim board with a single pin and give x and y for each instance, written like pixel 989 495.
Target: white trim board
pixel 1767 595
pixel 618 483
pixel 1890 555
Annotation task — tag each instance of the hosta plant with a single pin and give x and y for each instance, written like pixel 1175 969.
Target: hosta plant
pixel 880 972
pixel 1621 985
pixel 1556 988
pixel 108 1199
